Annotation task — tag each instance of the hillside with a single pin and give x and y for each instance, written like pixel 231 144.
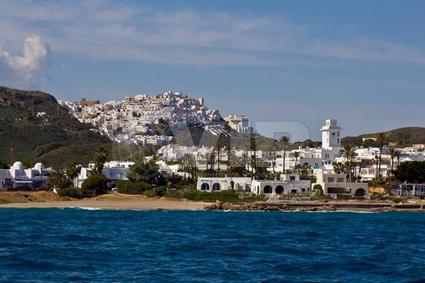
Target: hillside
pixel 34 127
pixel 402 137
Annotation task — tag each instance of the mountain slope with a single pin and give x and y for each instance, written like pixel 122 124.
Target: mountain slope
pixel 402 137
pixel 34 127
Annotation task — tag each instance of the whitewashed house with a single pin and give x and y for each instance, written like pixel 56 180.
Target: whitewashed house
pixel 18 177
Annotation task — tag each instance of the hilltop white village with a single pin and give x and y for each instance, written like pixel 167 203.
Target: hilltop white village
pixel 134 120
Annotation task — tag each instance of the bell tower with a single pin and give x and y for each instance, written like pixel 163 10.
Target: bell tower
pixel 331 134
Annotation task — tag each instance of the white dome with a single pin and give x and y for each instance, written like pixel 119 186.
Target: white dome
pixel 18 166
pixel 38 166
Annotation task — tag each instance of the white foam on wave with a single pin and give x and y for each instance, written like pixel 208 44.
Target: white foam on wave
pixel 343 211
pixel 85 208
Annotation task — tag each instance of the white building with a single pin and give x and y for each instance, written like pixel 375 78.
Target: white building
pixel 337 184
pixel 290 184
pixel 213 184
pixel 20 178
pixel 113 170
pixel 239 123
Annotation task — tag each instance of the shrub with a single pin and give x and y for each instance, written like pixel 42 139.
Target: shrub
pixel 160 191
pixel 155 192
pixel 150 193
pixel 132 188
pixel 69 192
pixel 224 196
pixel 318 190
pixel 94 185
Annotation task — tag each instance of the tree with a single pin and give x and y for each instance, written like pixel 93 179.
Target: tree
pixel 210 160
pixel 253 148
pixel 339 167
pixel 221 143
pixel 72 170
pixel 393 155
pixel 318 190
pixel 348 152
pixel 3 165
pixel 296 155
pixel 412 172
pixel 58 179
pixel 284 141
pixel 304 171
pixel 380 141
pixel 146 172
pixel 100 158
pixel 94 185
pixel 189 164
pixel 229 157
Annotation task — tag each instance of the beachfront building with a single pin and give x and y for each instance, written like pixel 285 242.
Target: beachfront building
pixel 17 177
pixel 337 184
pixel 289 185
pixel 409 190
pixel 214 184
pixel 113 170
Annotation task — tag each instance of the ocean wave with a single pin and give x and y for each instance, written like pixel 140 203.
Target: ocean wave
pixel 85 208
pixel 343 211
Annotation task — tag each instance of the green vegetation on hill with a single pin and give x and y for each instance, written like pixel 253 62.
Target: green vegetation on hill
pixel 401 137
pixel 55 138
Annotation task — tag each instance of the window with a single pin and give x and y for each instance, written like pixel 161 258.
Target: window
pixel 205 187
pixel 331 179
pixel 279 189
pixel 216 187
pixel 268 189
pixel 340 180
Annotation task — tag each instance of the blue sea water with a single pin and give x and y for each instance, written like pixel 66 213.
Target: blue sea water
pixel 51 245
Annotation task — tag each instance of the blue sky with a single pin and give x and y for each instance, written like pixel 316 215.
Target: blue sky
pixel 361 62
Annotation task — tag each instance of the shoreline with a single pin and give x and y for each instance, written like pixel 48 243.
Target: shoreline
pixel 116 201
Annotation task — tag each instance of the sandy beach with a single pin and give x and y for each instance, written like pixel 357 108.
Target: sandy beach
pixel 109 201
pixel 116 201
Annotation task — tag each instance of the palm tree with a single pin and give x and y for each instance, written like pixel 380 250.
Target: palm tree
pixel 296 154
pixel 229 157
pixel 348 152
pixel 284 141
pixel 245 159
pixel 211 160
pixel 253 148
pixel 393 153
pixel 380 140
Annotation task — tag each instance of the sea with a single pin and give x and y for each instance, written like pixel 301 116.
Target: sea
pixel 89 245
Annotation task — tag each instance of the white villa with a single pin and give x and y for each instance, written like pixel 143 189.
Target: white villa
pixel 337 184
pixel 18 177
pixel 113 170
pixel 290 184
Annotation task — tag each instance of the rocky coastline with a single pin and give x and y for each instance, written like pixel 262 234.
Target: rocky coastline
pixel 314 206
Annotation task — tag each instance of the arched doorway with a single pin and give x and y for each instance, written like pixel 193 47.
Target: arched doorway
pixel 216 187
pixel 232 185
pixel 205 187
pixel 268 189
pixel 279 190
pixel 360 193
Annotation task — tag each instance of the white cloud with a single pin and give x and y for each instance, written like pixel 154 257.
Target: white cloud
pixel 107 30
pixel 28 68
